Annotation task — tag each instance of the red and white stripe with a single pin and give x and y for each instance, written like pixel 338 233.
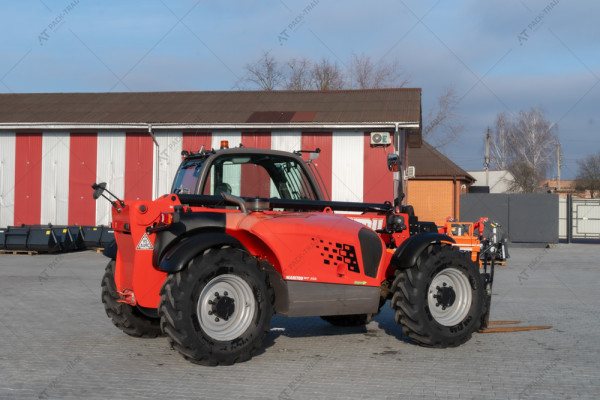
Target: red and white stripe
pixel 46 177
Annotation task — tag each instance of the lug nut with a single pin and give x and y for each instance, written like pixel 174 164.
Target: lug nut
pixel 216 319
pixel 225 293
pixel 210 312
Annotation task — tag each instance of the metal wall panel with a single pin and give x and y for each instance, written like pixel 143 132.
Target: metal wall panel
pixel 82 173
pixel 493 206
pixel 286 141
pixel 378 181
pixel 321 140
pixel 55 178
pixel 139 166
pixel 110 169
pixel 527 218
pixel 28 178
pixel 533 218
pixel 7 178
pixel 562 218
pixel 234 138
pixel 169 158
pixel 347 166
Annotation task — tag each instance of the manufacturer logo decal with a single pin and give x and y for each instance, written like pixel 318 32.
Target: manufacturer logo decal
pixel 144 243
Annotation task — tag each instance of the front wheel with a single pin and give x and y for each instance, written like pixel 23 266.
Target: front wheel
pixel 440 300
pixel 217 310
pixel 126 317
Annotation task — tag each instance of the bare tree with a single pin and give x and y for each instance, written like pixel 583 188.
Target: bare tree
pixel 532 144
pixel 499 142
pixel 364 74
pixel 524 144
pixel 299 75
pixel 265 74
pixel 588 176
pixel 442 124
pixel 327 75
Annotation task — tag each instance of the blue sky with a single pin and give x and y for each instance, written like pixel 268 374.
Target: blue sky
pixel 498 55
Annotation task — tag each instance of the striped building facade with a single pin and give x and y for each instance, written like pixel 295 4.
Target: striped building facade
pixel 46 174
pixel 53 146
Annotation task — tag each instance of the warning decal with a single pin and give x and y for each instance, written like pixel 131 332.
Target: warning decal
pixel 144 243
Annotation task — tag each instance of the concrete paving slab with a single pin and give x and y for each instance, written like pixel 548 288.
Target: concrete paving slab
pixel 56 342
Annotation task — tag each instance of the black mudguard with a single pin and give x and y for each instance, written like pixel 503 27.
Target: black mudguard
pixel 179 255
pixel 110 251
pixel 406 255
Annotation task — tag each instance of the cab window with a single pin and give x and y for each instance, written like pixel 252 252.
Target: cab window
pixel 258 175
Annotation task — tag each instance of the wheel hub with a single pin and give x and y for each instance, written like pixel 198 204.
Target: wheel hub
pixel 222 306
pixel 226 307
pixel 446 296
pixel 449 296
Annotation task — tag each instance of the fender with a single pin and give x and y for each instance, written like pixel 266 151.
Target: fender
pixel 178 256
pixel 406 255
pixel 110 251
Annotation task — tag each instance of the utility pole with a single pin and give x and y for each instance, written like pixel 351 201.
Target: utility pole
pixel 487 158
pixel 558 160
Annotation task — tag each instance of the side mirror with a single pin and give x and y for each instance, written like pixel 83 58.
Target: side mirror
pixel 313 155
pixel 393 162
pixel 98 190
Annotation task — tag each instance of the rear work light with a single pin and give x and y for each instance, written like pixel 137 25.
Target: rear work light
pixel 166 218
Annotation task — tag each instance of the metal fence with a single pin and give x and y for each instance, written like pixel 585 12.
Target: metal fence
pixel 525 218
pixel 583 218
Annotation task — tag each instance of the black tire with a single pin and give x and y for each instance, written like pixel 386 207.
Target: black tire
pixel 440 300
pixel 127 318
pixel 200 311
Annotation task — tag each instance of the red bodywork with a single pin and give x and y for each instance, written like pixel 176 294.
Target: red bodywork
pixel 302 246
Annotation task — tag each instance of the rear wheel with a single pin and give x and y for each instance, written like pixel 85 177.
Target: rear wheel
pixel 440 300
pixel 218 309
pixel 126 317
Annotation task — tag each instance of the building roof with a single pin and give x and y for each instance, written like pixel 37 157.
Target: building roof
pixel 429 163
pixel 343 106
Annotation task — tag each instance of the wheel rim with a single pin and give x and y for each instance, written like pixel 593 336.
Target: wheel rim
pixel 226 307
pixel 449 297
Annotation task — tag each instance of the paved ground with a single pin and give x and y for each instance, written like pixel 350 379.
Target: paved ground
pixel 56 342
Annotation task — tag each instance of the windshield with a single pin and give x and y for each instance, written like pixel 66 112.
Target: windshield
pixel 259 175
pixel 187 176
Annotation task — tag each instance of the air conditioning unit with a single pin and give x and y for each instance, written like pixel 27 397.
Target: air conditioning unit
pixel 409 173
pixel 382 138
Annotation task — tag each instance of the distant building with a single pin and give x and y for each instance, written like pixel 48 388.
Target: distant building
pixel 565 188
pixel 499 181
pixel 435 191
